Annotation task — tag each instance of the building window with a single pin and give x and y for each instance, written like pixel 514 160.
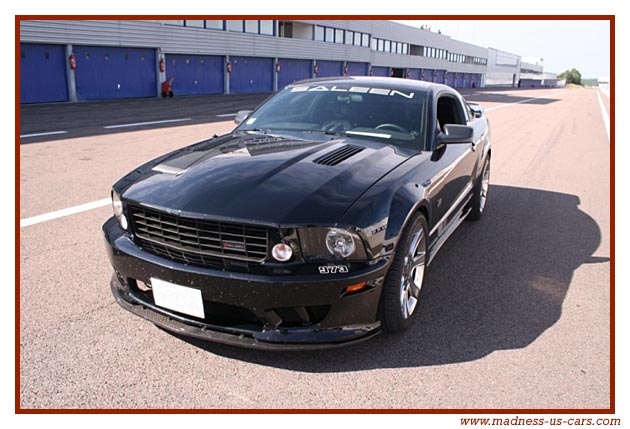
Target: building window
pixel 405 49
pixel 319 33
pixel 251 26
pixel 194 23
pixel 338 36
pixel 235 25
pixel 388 46
pixel 357 39
pixel 179 22
pixel 374 44
pixel 381 45
pixel 215 24
pixel 349 37
pixel 365 40
pixel 330 34
pixel 266 27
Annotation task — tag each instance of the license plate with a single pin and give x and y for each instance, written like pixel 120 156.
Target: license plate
pixel 179 298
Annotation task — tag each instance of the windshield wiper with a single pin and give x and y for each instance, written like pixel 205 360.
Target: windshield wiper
pixel 367 134
pixel 256 130
pixel 328 133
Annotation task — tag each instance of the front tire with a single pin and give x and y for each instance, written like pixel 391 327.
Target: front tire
pixel 404 280
pixel 480 193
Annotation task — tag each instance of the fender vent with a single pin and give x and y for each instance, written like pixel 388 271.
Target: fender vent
pixel 339 155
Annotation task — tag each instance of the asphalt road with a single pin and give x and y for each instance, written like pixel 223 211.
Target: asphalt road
pixel 516 311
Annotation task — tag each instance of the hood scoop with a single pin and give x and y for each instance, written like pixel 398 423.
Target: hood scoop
pixel 338 156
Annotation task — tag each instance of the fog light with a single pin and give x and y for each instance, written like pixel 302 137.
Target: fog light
pixel 282 252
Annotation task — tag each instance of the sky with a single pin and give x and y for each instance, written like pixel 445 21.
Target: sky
pixel 562 44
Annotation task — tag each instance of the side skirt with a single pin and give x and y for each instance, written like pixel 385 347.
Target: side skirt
pixel 450 229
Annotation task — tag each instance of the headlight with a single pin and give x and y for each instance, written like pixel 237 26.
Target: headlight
pixel 340 243
pixel 117 206
pixel 319 243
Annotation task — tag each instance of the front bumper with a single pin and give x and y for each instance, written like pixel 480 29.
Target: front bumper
pixel 250 310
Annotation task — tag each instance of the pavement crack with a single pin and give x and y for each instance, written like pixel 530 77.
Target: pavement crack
pixel 90 312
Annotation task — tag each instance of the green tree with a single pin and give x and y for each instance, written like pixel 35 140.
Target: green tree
pixel 572 76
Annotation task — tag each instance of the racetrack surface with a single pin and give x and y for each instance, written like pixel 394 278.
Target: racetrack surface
pixel 515 314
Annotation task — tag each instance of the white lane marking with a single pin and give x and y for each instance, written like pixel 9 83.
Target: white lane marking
pixel 605 116
pixel 227 115
pixel 64 212
pixel 139 124
pixel 51 133
pixel 519 102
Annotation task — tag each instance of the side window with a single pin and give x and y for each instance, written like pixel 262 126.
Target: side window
pixel 449 111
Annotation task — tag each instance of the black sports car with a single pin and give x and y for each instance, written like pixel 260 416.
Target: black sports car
pixel 311 224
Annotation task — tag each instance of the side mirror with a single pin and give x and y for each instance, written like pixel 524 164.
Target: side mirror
pixel 241 115
pixel 476 109
pixel 454 133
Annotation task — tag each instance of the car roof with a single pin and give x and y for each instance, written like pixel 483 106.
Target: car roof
pixel 381 82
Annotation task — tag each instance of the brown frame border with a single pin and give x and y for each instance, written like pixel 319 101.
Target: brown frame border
pixel 611 410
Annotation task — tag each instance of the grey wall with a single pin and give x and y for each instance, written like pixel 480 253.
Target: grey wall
pixel 186 40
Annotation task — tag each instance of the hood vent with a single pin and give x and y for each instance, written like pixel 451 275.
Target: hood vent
pixel 339 155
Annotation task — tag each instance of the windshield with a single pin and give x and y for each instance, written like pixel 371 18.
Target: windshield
pixel 393 116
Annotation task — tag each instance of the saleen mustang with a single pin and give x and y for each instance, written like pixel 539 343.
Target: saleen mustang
pixel 310 225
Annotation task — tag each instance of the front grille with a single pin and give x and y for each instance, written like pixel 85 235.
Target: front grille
pixel 215 244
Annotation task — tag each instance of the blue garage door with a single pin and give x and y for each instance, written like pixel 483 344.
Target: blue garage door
pixel 357 69
pixel 250 74
pixel 105 72
pixel 292 71
pixel 459 80
pixel 440 76
pixel 380 71
pixel 329 68
pixel 467 80
pixel 428 75
pixel 475 80
pixel 195 74
pixel 42 73
pixel 450 79
pixel 414 73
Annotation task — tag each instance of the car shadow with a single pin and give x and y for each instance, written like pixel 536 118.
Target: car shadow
pixel 497 284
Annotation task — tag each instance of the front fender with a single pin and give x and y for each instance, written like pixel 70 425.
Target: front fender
pixel 381 213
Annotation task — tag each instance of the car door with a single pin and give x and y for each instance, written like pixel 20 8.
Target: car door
pixel 454 164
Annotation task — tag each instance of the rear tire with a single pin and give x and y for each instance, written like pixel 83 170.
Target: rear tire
pixel 404 280
pixel 480 193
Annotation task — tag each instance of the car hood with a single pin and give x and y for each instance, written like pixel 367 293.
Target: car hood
pixel 260 178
